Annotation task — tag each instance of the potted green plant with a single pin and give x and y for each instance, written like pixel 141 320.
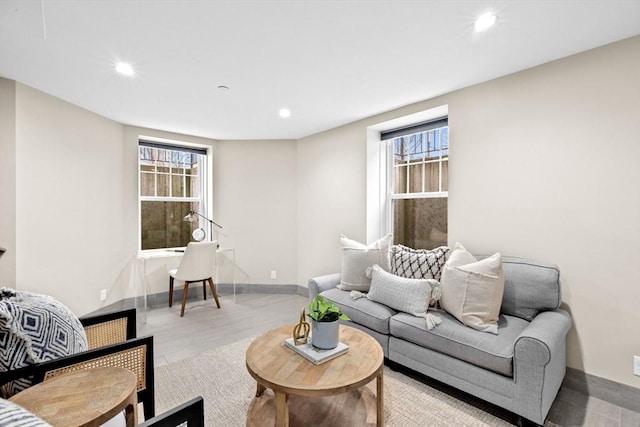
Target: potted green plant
pixel 324 322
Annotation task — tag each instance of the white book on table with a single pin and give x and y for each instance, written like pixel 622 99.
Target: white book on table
pixel 316 355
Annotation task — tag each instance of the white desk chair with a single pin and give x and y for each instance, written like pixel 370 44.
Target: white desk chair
pixel 196 265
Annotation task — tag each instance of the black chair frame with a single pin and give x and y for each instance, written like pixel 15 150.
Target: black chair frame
pixel 190 412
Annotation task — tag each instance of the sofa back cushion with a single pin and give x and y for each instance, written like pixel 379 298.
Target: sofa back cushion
pixel 529 287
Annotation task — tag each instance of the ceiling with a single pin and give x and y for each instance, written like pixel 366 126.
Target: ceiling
pixel 329 62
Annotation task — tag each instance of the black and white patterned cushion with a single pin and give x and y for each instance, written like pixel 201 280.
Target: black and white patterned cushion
pixel 418 263
pixel 12 415
pixel 35 328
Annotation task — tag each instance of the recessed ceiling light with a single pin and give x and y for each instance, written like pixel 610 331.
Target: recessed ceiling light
pixel 284 112
pixel 485 21
pixel 125 69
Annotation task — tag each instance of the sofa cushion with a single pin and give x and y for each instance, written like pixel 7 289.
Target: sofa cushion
pixel 35 328
pixel 472 290
pixel 529 287
pixel 418 263
pixel 363 311
pixel 358 257
pixel 488 351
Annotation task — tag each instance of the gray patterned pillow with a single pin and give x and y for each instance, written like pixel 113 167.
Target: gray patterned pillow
pixel 35 328
pixel 418 263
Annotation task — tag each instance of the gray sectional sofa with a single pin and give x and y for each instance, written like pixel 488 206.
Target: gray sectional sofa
pixel 520 369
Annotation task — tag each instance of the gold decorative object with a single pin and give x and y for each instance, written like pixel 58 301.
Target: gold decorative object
pixel 301 330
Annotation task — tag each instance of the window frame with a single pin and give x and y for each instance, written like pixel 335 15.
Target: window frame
pixel 392 196
pixel 205 177
pixel 379 222
pixel 392 166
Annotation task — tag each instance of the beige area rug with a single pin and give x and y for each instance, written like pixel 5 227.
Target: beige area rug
pixel 221 378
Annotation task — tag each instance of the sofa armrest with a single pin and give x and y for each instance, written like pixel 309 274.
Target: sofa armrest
pixel 543 338
pixel 540 363
pixel 320 284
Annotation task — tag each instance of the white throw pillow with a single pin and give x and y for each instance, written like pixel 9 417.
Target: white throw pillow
pixel 472 290
pixel 358 257
pixel 400 293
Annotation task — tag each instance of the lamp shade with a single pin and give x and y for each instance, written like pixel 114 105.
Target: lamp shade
pixel 190 217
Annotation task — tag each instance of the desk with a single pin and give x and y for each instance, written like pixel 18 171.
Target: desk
pixel 170 259
pixel 88 397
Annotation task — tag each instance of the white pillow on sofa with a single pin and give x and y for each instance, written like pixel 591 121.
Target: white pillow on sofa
pixel 358 257
pixel 472 290
pixel 403 294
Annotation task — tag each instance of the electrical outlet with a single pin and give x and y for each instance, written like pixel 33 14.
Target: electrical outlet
pixel 274 274
pixel 103 294
pixel 636 365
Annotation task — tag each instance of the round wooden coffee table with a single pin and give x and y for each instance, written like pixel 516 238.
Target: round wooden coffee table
pixel 87 397
pixel 333 391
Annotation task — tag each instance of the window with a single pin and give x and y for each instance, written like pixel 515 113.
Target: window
pixel 172 183
pixel 417 183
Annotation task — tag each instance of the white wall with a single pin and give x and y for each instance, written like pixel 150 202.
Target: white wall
pixel 331 179
pixel 69 221
pixel 544 164
pixel 255 190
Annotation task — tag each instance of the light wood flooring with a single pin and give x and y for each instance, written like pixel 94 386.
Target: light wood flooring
pixel 204 327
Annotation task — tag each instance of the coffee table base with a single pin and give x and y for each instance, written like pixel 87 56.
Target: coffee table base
pixel 354 407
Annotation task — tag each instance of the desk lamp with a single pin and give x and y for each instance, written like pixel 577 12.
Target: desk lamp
pixel 199 234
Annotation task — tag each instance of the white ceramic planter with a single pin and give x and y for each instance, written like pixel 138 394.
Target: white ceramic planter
pixel 325 335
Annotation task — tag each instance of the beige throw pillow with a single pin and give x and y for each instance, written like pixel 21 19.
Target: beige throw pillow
pixel 358 257
pixel 472 290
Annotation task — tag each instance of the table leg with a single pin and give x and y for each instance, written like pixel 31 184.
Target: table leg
pixel 282 410
pixel 260 389
pixel 379 401
pixel 130 412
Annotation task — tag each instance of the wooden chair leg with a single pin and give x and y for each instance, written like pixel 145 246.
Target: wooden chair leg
pixel 204 289
pixel 213 291
pixel 170 291
pixel 185 292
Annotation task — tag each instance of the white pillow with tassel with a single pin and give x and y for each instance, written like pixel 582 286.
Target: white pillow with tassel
pixel 400 293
